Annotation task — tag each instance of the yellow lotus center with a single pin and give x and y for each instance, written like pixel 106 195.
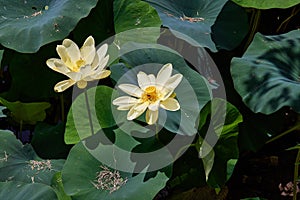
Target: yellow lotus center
pixel 150 94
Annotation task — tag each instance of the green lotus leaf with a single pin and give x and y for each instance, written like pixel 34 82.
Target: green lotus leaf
pixel 78 124
pixel 132 14
pixel 225 152
pixel 267 76
pixel 28 25
pixel 80 182
pixel 193 18
pixel 20 163
pixel 266 4
pixel 14 190
pixel 26 112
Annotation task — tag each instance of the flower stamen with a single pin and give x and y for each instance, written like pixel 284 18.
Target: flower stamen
pixel 150 94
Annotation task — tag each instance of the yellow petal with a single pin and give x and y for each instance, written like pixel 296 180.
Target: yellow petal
pixel 63 85
pixel 63 54
pixel 131 89
pixel 88 50
pixel 151 116
pixel 143 80
pixel 164 74
pixel 137 111
pixel 170 104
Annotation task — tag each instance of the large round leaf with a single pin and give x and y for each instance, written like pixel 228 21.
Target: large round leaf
pixel 267 4
pixel 267 76
pixel 20 163
pixel 14 190
pixel 28 25
pixel 79 181
pixel 192 18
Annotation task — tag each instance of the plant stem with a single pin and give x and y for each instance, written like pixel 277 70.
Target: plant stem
pixel 283 25
pixel 255 18
pixel 296 170
pixel 89 111
pixel 296 127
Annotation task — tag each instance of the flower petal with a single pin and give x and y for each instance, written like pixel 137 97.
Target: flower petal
pixel 174 81
pixel 143 80
pixel 96 61
pixel 102 64
pixel 88 50
pixel 164 74
pixel 154 106
pixel 57 65
pixel 151 116
pixel 72 49
pixel 75 76
pixel 63 85
pixel 170 104
pixel 125 102
pixel 101 75
pixel 131 89
pixel 137 111
pixel 102 51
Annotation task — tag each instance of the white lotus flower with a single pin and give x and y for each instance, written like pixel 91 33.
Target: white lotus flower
pixel 151 94
pixel 80 65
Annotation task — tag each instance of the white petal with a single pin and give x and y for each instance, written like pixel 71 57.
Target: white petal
pixel 102 51
pixel 63 85
pixel 137 111
pixel 152 79
pixel 75 76
pixel 164 74
pixel 131 89
pixel 88 50
pixel 63 54
pixel 154 106
pixel 124 100
pixel 170 104
pixel 57 65
pixel 96 61
pixel 72 50
pixel 151 116
pixel 174 81
pixel 102 64
pixel 143 80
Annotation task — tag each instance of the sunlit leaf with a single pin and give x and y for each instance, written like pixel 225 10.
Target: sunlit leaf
pixel 28 25
pixel 267 4
pixel 78 124
pixel 26 112
pixel 80 181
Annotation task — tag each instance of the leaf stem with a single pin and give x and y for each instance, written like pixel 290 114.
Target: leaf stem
pixel 255 19
pixel 89 111
pixel 296 127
